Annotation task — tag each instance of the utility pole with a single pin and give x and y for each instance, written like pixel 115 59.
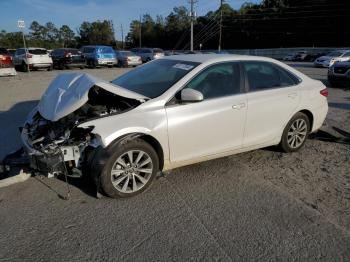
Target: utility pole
pixel 192 15
pixel 140 32
pixel 121 28
pixel 21 25
pixel 220 34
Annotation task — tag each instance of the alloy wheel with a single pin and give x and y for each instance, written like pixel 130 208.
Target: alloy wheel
pixel 297 133
pixel 131 171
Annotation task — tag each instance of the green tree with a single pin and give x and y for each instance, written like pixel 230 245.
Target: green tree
pixel 98 32
pixel 67 36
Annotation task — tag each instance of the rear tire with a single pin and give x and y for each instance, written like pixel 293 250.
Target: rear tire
pixel 130 169
pixel 295 133
pixel 24 67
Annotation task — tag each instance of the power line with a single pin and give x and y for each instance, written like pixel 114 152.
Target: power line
pixel 287 18
pixel 212 23
pixel 294 7
pixel 220 34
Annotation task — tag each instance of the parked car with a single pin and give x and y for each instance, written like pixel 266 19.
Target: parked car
pixel 297 56
pixel 332 57
pixel 339 74
pixel 67 58
pixel 300 56
pixel 6 65
pixel 33 58
pixel 99 55
pixel 12 52
pixel 148 54
pixel 5 58
pixel 289 57
pixel 128 58
pixel 168 113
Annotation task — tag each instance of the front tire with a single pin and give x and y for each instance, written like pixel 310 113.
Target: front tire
pixel 295 133
pixel 130 169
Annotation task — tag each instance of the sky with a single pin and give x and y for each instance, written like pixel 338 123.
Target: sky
pixel 74 12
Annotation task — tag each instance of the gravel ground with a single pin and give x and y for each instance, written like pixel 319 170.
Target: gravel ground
pixel 260 205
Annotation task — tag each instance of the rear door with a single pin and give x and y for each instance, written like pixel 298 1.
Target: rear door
pixel 273 96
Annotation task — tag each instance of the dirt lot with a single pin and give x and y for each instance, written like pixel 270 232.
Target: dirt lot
pixel 260 205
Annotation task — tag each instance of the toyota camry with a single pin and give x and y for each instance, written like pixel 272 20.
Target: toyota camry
pixel 168 113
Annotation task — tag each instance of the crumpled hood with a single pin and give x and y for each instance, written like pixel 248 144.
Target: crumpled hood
pixel 69 91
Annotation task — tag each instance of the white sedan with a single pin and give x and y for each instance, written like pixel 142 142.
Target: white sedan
pixel 168 113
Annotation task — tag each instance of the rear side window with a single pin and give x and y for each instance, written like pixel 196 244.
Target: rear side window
pixel 37 51
pixel 3 51
pixel 218 81
pixel 265 75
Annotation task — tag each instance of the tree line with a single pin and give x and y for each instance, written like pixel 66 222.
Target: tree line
pixel 50 37
pixel 269 24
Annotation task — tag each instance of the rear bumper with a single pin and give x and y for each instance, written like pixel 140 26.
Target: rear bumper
pixel 40 65
pixel 107 61
pixel 75 64
pixel 321 64
pixel 133 63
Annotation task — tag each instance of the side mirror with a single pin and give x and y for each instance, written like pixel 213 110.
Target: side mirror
pixel 191 95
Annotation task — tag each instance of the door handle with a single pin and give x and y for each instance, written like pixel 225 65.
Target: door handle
pixel 238 106
pixel 292 95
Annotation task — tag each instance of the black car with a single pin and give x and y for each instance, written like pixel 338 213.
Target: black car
pixel 339 74
pixel 67 58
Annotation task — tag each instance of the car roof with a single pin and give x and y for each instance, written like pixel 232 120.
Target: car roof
pixel 212 58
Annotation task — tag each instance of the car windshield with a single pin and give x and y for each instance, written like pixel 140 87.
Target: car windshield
pixel 336 53
pixel 37 51
pixel 154 78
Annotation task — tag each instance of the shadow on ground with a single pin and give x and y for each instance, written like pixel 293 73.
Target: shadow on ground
pixel 11 120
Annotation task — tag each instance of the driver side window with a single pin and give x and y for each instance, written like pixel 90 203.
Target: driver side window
pixel 217 81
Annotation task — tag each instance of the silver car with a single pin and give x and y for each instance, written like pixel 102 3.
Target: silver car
pixel 168 113
pixel 332 57
pixel 128 58
pixel 148 54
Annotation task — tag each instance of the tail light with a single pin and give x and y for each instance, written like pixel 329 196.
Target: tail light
pixel 324 92
pixel 29 56
pixel 2 57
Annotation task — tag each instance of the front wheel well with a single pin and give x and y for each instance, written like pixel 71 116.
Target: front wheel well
pixel 148 139
pixel 157 147
pixel 310 116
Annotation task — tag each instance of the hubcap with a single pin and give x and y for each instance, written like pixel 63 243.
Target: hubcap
pixel 297 133
pixel 131 171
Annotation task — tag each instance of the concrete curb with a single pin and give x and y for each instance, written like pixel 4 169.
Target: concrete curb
pixel 21 177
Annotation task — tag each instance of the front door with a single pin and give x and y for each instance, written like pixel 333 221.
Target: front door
pixel 214 125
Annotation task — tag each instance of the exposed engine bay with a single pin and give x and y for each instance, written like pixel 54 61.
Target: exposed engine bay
pixel 59 146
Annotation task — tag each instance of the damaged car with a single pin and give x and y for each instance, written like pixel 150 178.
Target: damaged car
pixel 168 113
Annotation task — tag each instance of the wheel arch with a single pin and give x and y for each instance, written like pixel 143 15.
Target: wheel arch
pixel 310 116
pixel 145 137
